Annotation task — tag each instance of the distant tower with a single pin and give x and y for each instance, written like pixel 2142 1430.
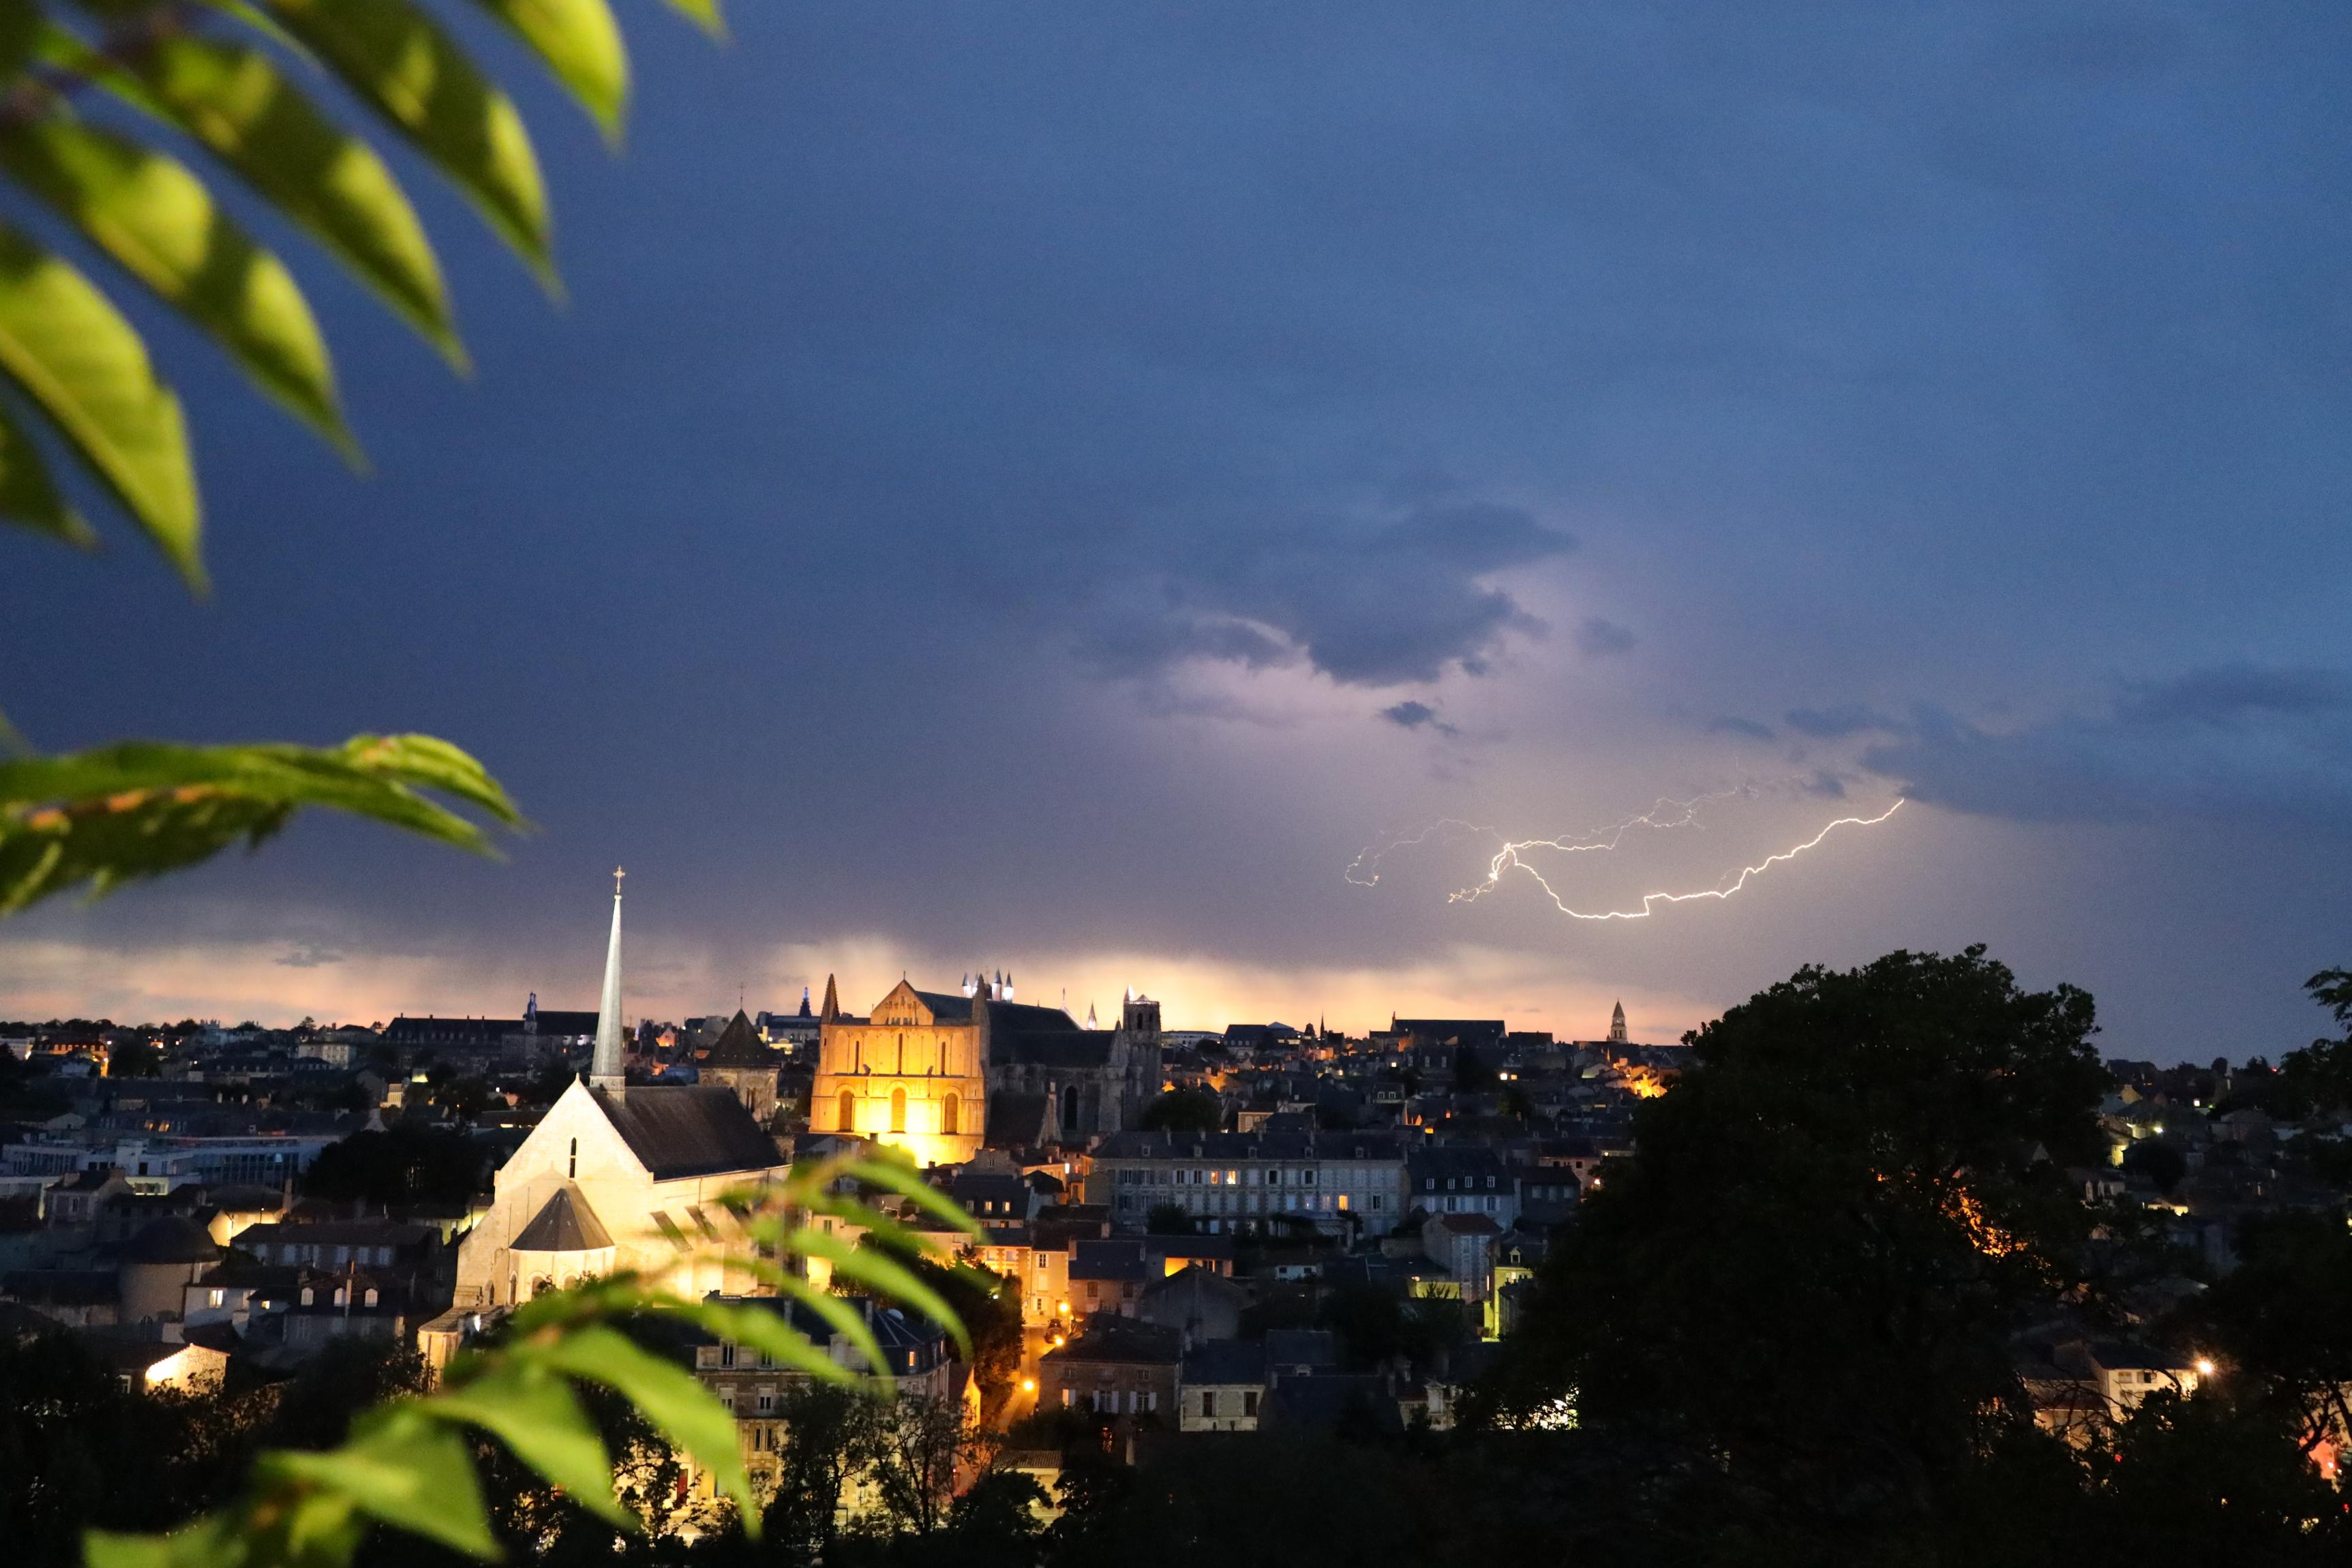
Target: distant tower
pixel 604 1069
pixel 531 1014
pixel 805 1004
pixel 1617 1025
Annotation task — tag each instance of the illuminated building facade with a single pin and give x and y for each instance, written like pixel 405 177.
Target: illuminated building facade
pixel 918 1073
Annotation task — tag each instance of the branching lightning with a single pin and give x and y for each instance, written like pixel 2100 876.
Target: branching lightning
pixel 1664 814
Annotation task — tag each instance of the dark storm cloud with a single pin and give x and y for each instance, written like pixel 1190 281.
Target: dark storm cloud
pixel 311 955
pixel 1415 715
pixel 1367 604
pixel 1599 639
pixel 2235 741
pixel 1835 723
pixel 920 357
pixel 2234 693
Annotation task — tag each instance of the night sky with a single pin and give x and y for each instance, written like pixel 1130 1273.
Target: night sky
pixel 1045 486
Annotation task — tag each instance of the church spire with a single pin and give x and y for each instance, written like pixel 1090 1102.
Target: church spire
pixel 832 1008
pixel 604 1070
pixel 1617 1025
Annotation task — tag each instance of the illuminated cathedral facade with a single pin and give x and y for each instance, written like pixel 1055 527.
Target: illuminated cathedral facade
pixel 940 1073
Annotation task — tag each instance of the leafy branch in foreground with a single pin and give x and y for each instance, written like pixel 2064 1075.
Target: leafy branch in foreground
pixel 408 1464
pixel 137 127
pixel 140 809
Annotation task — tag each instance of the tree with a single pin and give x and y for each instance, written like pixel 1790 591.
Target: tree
pixel 826 1429
pixel 81 383
pixel 1805 1279
pixel 133 1058
pixel 1184 1111
pixel 2318 1077
pixel 996 1525
pixel 910 1449
pixel 2218 1479
pixel 2279 1321
pixel 2158 1160
pixel 408 1164
pixel 1168 1219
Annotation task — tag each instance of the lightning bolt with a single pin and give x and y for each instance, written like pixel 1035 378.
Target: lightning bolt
pixel 1663 814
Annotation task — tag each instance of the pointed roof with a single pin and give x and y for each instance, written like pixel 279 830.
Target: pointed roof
pixel 564 1224
pixel 832 1002
pixel 605 1067
pixel 738 1046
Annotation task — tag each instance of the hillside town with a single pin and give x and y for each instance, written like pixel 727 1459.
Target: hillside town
pixel 1187 1234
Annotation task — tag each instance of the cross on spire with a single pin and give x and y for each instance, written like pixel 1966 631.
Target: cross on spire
pixel 617 874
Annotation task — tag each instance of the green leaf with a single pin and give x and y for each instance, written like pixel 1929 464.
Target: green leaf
pixel 535 1413
pixel 773 1332
pixel 28 497
pixel 148 211
pixel 398 60
pixel 909 1183
pixel 667 1395
pixel 582 45
pixel 212 1540
pixel 122 813
pixel 404 1470
pixel 703 13
pixel 887 1277
pixel 74 354
pixel 238 104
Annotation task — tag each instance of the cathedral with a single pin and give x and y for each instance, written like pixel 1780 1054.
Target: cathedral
pixel 940 1073
pixel 615 1177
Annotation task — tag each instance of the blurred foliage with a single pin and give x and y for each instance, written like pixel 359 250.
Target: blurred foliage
pixel 135 133
pixel 414 1463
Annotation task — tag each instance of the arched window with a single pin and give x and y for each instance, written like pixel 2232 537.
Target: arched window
pixel 949 1110
pixel 1070 1108
pixel 902 1053
pixel 848 1112
pixel 897 1110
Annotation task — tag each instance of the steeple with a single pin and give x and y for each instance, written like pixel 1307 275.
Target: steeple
pixel 832 1009
pixel 1617 1025
pixel 604 1070
pixel 805 1003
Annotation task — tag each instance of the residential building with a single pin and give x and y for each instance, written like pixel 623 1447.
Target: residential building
pixel 1249 1182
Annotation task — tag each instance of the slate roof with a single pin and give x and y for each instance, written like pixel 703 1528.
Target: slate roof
pixel 1021 1018
pixel 739 1044
pixel 1109 1260
pixel 1058 1046
pixel 946 1008
pixel 687 1132
pixel 564 1224
pixel 1225 1362
pixel 1112 1339
pixel 175 1238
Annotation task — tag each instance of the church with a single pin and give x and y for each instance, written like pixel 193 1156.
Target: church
pixel 619 1177
pixel 941 1074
